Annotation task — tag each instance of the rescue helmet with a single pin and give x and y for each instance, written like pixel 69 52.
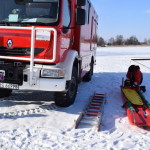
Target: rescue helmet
pixel 131 68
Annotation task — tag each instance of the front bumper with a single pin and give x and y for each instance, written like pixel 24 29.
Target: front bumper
pixel 45 84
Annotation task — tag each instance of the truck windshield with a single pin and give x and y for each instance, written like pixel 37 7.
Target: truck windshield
pixel 39 12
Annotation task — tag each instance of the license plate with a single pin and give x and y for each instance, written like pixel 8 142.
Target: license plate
pixel 9 86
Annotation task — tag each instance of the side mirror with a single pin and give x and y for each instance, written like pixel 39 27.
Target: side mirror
pixel 20 1
pixel 65 29
pixel 81 2
pixel 80 16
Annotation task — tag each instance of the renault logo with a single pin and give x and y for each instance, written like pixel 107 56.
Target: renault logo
pixel 9 43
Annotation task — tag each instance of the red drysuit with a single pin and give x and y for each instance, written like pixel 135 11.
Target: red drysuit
pixel 136 76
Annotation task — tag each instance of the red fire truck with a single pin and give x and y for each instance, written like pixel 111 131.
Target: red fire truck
pixel 47 45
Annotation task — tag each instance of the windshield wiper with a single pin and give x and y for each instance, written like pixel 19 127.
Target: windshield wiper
pixel 14 23
pixel 35 23
pixel 3 23
pixel 10 23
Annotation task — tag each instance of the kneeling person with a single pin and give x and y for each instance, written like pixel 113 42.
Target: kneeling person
pixel 134 76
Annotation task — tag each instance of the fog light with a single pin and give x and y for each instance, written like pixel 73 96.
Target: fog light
pixel 53 73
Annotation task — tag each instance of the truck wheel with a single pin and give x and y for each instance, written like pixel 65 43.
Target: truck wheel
pixel 88 75
pixel 5 92
pixel 65 99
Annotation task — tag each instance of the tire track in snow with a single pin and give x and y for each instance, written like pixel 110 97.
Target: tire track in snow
pixel 26 112
pixel 40 100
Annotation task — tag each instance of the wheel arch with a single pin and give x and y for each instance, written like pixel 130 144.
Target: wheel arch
pixel 70 61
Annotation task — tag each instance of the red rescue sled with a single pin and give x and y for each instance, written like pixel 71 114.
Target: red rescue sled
pixel 137 107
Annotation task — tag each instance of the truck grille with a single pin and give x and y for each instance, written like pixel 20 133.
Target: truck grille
pixel 18 51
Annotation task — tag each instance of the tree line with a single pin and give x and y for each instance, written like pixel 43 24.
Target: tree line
pixel 120 40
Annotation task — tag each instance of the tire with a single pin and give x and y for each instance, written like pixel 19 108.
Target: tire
pixel 88 75
pixel 65 99
pixel 5 92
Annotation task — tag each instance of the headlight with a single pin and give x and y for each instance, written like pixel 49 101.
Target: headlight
pixel 53 73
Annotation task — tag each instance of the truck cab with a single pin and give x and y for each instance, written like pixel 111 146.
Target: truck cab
pixel 47 45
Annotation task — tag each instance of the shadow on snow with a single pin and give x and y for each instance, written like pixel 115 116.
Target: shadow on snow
pixel 105 83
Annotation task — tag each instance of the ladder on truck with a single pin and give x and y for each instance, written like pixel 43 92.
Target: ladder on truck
pixel 93 112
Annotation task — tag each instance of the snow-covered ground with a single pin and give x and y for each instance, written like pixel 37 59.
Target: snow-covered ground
pixel 31 121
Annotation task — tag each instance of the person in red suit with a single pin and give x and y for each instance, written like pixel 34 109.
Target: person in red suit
pixel 134 76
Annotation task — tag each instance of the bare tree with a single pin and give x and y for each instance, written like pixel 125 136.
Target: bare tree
pixel 101 42
pixel 119 40
pixel 145 41
pixel 132 41
pixel 111 41
pixel 148 41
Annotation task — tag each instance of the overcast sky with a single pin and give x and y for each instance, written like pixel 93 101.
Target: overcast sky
pixel 123 17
